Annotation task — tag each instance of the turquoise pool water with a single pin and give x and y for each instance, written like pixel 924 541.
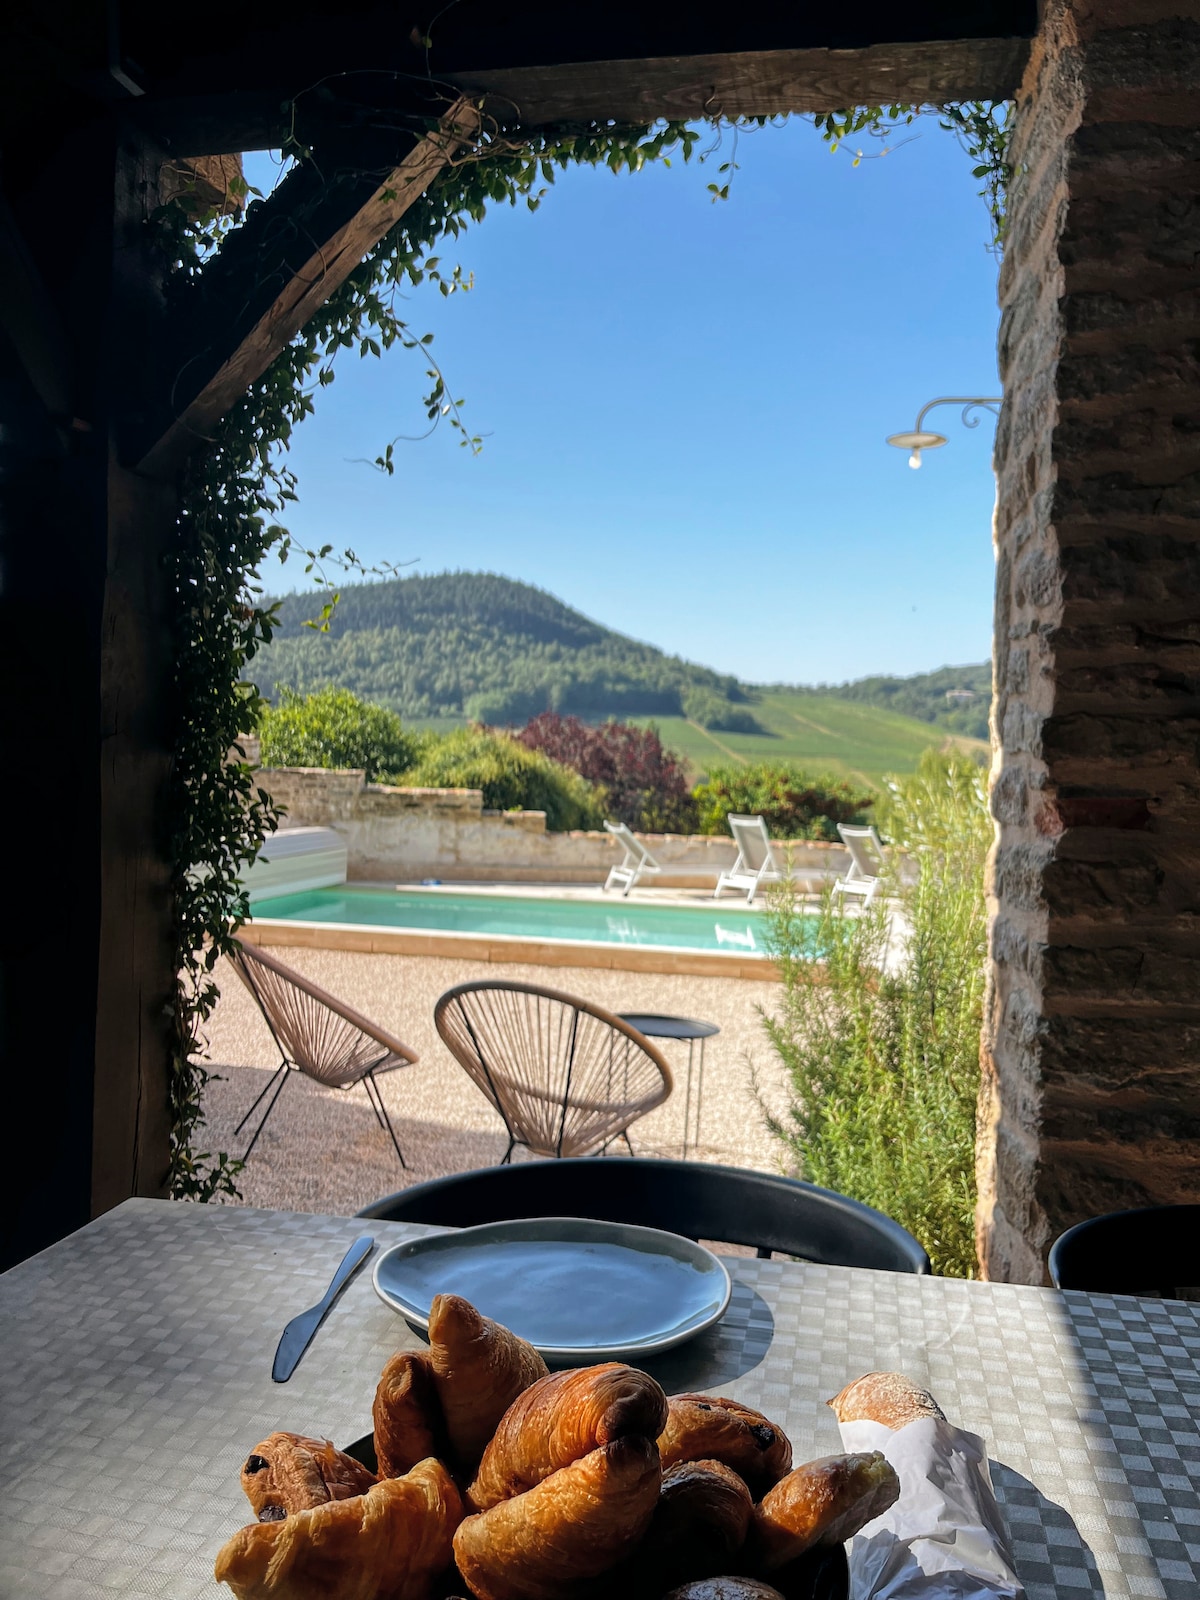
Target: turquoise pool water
pixel 718 928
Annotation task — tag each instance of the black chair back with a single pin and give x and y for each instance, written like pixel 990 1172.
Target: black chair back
pixel 700 1201
pixel 1154 1251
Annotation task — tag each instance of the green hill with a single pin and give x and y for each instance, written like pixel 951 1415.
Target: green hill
pixel 470 645
pixel 954 698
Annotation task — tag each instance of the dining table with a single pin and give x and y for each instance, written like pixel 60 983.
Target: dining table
pixel 135 1377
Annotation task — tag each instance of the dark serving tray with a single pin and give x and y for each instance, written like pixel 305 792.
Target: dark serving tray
pixel 819 1575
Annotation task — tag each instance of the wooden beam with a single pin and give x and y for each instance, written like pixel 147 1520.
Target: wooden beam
pixel 752 83
pixel 31 322
pixel 295 250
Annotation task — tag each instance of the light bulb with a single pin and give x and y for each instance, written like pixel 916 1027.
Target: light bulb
pixel 914 460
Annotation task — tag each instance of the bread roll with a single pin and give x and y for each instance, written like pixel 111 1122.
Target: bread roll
pixel 560 1418
pixel 886 1397
pixel 824 1502
pixel 391 1543
pixel 407 1414
pixel 574 1526
pixel 288 1472
pixel 702 1427
pixel 479 1368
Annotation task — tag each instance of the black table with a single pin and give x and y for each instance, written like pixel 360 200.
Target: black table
pixel 655 1026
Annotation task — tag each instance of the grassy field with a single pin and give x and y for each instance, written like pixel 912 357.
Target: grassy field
pixel 820 733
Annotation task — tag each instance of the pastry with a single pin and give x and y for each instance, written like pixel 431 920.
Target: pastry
pixel 479 1368
pixel 406 1413
pixel 560 1418
pixel 822 1503
pixel 886 1397
pixel 574 1526
pixel 725 1589
pixel 700 1523
pixel 288 1473
pixel 703 1427
pixel 390 1543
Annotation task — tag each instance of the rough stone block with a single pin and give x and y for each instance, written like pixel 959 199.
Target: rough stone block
pixel 1117 740
pixel 1155 969
pixel 1018 872
pixel 1010 795
pixel 1111 569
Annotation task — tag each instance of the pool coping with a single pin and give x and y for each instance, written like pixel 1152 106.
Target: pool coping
pixel 519 948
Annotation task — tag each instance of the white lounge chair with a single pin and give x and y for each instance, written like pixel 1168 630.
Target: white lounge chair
pixel 755 864
pixel 867 865
pixel 638 863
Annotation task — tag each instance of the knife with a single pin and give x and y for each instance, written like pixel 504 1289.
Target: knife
pixel 298 1334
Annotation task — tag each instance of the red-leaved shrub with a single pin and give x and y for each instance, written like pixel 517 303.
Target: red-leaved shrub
pixel 645 786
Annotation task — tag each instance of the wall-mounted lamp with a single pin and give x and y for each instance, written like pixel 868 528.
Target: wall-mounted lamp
pixel 920 439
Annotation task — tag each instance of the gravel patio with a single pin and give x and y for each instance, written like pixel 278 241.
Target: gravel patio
pixel 323 1150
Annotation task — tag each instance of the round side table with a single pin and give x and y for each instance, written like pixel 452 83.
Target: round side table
pixel 691 1031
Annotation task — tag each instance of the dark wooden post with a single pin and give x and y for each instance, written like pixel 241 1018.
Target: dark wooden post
pixel 87 957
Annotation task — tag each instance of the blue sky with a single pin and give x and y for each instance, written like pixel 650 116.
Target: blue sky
pixel 685 405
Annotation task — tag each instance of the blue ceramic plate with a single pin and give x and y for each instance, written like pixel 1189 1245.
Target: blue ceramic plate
pixel 579 1291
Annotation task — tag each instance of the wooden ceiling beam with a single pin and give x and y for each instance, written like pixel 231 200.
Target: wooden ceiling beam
pixel 292 252
pixel 576 92
pixel 752 83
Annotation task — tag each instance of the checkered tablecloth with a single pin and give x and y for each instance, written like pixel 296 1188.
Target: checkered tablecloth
pixel 135 1377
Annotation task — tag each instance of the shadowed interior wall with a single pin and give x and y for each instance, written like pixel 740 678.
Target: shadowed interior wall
pixel 1091 1089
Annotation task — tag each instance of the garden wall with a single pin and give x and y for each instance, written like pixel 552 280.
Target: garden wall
pixel 403 835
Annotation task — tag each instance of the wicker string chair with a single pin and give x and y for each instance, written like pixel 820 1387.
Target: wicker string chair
pixel 566 1076
pixel 317 1035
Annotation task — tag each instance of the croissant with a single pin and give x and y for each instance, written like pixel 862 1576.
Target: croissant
pixel 479 1369
pixel 388 1544
pixel 822 1503
pixel 560 1418
pixel 700 1523
pixel 288 1473
pixel 703 1427
pixel 886 1397
pixel 406 1414
pixel 573 1526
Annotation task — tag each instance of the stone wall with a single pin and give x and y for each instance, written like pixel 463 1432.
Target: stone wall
pixel 404 835
pixel 1091 1089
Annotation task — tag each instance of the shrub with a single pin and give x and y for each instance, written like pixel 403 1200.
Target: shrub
pixel 712 710
pixel 793 804
pixel 643 785
pixel 511 776
pixel 883 1059
pixel 334 728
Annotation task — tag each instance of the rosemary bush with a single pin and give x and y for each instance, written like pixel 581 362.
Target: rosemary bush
pixel 883 1058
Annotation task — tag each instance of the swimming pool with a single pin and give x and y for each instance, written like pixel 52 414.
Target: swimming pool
pixel 715 928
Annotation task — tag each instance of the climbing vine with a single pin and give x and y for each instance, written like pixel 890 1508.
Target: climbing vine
pixel 238 487
pixel 982 128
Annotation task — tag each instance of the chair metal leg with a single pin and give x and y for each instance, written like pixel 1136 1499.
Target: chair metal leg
pixel 282 1067
pixel 381 1115
pixel 628 1141
pixel 282 1074
pixel 507 1156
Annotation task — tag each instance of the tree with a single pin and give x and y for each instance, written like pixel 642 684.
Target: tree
pixel 644 785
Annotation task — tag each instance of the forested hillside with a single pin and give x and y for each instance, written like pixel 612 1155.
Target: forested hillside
pixel 477 645
pixel 472 645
